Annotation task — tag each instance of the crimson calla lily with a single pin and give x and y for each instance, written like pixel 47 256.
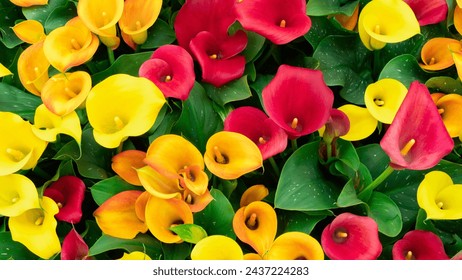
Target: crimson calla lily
pixel 256 125
pixel 429 12
pixel 68 192
pixel 351 237
pixel 419 245
pixel 74 247
pixel 18 195
pixel 275 20
pixel 298 100
pixel 426 142
pixel 125 164
pixel 33 68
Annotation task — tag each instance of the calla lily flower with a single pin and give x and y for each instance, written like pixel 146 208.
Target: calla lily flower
pixel 440 197
pixel 157 184
pixel 256 225
pixel 70 45
pixel 29 3
pixel 298 100
pixel 140 205
pixel 137 17
pixel 256 125
pixel 295 246
pixel 274 19
pixel 348 22
pixel 47 125
pixel 171 68
pixel 162 214
pixel 64 93
pixel 424 144
pixel 429 12
pixel 30 31
pixel 362 123
pixel 121 106
pixel 458 18
pixel 336 126
pixel 436 54
pixel 229 155
pixel 351 237
pixel 386 21
pixel 4 71
pixel 125 164
pixel 36 229
pixel 74 247
pixel 68 192
pixel 117 216
pixel 136 255
pixel 450 108
pixel 419 245
pixel 254 193
pixel 217 247
pixel 33 68
pixel 383 99
pixel 101 18
pixel 197 202
pixel 20 149
pixel 18 195
pixel 457 256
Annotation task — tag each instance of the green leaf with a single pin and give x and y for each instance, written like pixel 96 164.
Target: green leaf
pixel 233 91
pixel 329 7
pixel 177 251
pixel 10 13
pixel 298 221
pixel 60 16
pixel 444 85
pixel 198 120
pixel 42 12
pixel 166 124
pixel 18 102
pixel 345 62
pixel 105 189
pixel 12 250
pixel 190 233
pixel 255 44
pixel 303 185
pixel 217 217
pixel 348 195
pixel 386 213
pixel 346 162
pixel 158 35
pixel 321 27
pixel 142 242
pixel 405 69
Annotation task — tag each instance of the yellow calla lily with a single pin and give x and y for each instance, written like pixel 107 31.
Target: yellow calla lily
pixel 70 45
pixel 252 257
pixel 362 123
pixel 36 229
pixel 217 247
pixel 29 3
pixel 157 184
pixel 101 18
pixel 137 17
pixel 121 106
pixel 450 108
pixel 440 197
pixel 134 256
pixel 295 246
pixel 383 99
pixel 20 149
pixel 48 125
pixel 230 155
pixel 65 92
pixel 256 225
pixel 254 193
pixel 18 194
pixel 4 71
pixel 30 31
pixel 117 216
pixel 125 164
pixel 33 68
pixel 386 21
pixel 162 214
pixel 436 54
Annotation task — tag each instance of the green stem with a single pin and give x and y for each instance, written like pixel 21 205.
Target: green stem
pixel 267 55
pixel 294 144
pixel 274 166
pixel 329 150
pixel 374 184
pixel 110 54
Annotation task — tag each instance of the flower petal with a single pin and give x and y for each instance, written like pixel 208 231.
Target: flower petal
pixel 136 255
pixel 18 195
pixel 217 247
pixel 254 193
pixel 125 164
pixel 295 246
pixel 450 108
pixel 74 247
pixel 362 123
pixel 419 245
pixel 30 31
pixel 436 54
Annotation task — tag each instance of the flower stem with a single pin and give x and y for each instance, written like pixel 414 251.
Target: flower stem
pixel 294 144
pixel 110 54
pixel 374 184
pixel 274 166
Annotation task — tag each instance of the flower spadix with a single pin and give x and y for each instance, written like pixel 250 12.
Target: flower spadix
pixel 33 68
pixel 440 197
pixel 121 106
pixel 383 99
pixel 362 123
pixel 424 144
pixel 20 149
pixel 256 225
pixel 125 164
pixel 217 247
pixel 30 31
pixel 65 92
pixel 295 246
pixel 137 17
pixel 36 229
pixel 386 21
pixel 436 54
pixel 229 155
pixel 17 194
pixel 419 245
pixel 47 126
pixel 450 108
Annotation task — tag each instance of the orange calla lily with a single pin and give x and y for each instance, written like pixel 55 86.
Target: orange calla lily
pixel 157 184
pixel 254 193
pixel 162 214
pixel 295 246
pixel 30 31
pixel 117 216
pixel 20 149
pixel 125 164
pixel 348 22
pixel 458 18
pixel 140 205
pixel 18 195
pixel 65 92
pixel 450 109
pixel 121 106
pixel 196 202
pixel 33 68
pixel 230 155
pixel 36 229
pixel 256 225
pixel 137 17
pixel 436 54
pixel 217 247
pixel 29 3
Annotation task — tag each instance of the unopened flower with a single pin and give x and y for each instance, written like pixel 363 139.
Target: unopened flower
pixel 19 194
pixel 74 247
pixel 125 164
pixel 217 247
pixel 295 246
pixel 419 245
pixel 137 17
pixel 30 31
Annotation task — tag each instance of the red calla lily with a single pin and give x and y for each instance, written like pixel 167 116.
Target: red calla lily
pixel 419 245
pixel 429 12
pixel 74 247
